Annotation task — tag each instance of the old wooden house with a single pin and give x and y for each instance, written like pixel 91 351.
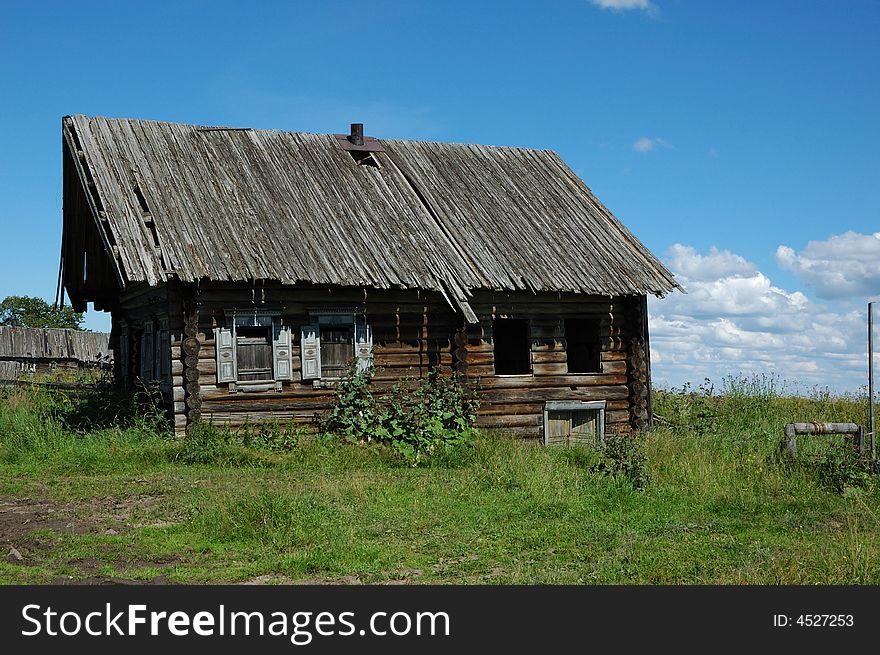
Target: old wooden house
pixel 25 351
pixel 246 269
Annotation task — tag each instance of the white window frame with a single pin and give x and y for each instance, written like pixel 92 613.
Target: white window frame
pixel 362 340
pixel 281 341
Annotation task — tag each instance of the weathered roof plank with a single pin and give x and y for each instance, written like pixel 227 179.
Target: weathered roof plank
pixel 248 205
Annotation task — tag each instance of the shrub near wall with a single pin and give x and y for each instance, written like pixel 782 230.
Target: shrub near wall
pixel 421 420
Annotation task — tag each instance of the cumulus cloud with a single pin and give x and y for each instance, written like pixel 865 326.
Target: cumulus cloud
pixel 717 264
pixel 843 266
pixel 625 5
pixel 735 320
pixel 647 144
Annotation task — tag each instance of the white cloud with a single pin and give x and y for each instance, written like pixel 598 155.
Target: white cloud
pixel 843 266
pixel 735 320
pixel 718 263
pixel 647 144
pixel 625 5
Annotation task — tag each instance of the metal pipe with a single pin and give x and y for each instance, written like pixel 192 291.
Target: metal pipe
pixel 871 379
pixel 357 134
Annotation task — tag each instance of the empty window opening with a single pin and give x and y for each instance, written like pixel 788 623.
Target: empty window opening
pixel 512 349
pixel 253 352
pixel 583 345
pixel 337 350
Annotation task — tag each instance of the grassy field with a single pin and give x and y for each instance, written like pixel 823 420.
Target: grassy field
pixel 703 498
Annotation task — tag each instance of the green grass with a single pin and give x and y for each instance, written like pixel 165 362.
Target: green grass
pixel 719 505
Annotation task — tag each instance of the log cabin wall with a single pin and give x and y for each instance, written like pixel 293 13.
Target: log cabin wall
pixel 412 332
pixel 515 403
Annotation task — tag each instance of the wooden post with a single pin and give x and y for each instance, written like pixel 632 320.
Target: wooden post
pixel 460 354
pixel 637 364
pixel 646 336
pixel 190 350
pixel 790 442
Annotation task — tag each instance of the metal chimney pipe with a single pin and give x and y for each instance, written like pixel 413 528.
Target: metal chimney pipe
pixel 357 134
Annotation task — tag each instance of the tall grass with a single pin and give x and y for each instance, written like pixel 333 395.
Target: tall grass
pixel 34 437
pixel 703 497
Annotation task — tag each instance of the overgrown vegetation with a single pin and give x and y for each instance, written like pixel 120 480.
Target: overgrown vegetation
pixel 425 420
pixel 705 497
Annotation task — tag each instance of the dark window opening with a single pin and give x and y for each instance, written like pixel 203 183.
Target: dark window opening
pixel 253 351
pixel 337 350
pixel 583 345
pixel 512 348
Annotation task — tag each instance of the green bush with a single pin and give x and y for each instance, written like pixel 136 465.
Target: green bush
pixel 427 420
pixel 840 467
pixel 355 415
pixel 624 455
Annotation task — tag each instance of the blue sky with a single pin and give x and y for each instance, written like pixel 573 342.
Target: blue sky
pixel 738 140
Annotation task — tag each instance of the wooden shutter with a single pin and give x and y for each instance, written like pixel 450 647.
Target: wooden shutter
pixel 363 347
pixel 281 353
pixel 584 428
pixel 558 427
pixel 225 347
pixel 147 352
pixel 310 352
pixel 163 351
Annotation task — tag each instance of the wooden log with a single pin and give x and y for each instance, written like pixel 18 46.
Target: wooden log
pixel 618 367
pixel 510 409
pixel 190 347
pixel 423 359
pixel 267 406
pixel 617 416
pixel 534 382
pixel 549 357
pixel 524 432
pixel 547 368
pixel 305 420
pixel 510 420
pixel 207 367
pixel 554 393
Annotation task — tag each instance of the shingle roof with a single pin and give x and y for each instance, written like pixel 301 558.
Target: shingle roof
pixel 242 205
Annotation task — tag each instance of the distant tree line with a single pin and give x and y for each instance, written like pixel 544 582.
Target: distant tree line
pixel 30 311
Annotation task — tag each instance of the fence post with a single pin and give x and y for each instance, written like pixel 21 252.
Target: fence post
pixel 790 439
